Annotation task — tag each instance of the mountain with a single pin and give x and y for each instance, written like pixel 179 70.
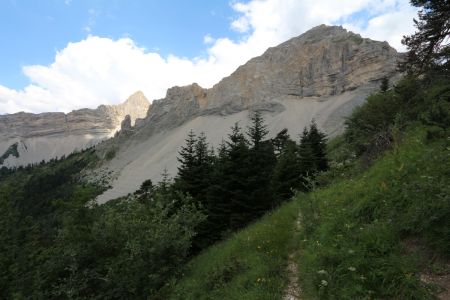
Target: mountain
pixel 322 75
pixel 30 138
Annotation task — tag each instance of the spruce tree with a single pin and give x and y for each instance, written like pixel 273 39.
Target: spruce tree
pixel 235 177
pixel 280 140
pixel 219 202
pixel 257 131
pixel 203 168
pixel 318 142
pixel 305 158
pixel 145 192
pixel 312 152
pixel 287 173
pixel 184 181
pixel 261 162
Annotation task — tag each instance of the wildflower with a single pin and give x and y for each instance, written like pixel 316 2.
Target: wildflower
pixel 324 283
pixel 353 269
pixel 322 272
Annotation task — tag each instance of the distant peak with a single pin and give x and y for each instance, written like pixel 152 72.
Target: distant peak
pixel 137 98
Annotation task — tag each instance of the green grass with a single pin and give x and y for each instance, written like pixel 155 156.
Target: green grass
pixel 354 233
pixel 251 264
pixel 354 238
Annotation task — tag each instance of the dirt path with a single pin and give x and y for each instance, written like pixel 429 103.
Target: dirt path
pixel 293 290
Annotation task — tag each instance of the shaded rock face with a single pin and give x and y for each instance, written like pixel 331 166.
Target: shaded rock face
pixel 323 74
pixel 48 135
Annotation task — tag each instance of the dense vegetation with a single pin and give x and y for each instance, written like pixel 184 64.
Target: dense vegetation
pixel 249 175
pixel 385 218
pixel 57 243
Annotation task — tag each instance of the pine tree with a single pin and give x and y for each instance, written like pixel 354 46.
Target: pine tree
pixel 305 158
pixel 235 177
pixel 257 131
pixel 184 181
pixel 312 152
pixel 145 192
pixel 203 168
pixel 318 142
pixel 203 160
pixel 262 160
pixel 218 201
pixel 287 173
pixel 279 142
pixel 428 47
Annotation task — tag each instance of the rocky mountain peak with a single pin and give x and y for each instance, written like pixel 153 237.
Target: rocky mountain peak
pixel 136 99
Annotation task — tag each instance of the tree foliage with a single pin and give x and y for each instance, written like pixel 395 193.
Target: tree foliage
pixel 429 47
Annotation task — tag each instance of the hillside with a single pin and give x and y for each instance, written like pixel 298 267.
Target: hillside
pixel 380 233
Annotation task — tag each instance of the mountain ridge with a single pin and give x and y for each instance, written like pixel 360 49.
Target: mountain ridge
pixel 322 74
pixel 53 134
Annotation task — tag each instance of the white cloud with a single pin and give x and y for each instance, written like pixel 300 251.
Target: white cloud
pixel 100 70
pixel 208 39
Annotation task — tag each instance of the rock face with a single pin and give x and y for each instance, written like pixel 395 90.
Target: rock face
pixel 44 136
pixel 322 74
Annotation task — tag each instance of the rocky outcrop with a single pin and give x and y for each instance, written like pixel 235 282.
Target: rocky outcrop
pixel 48 135
pixel 323 62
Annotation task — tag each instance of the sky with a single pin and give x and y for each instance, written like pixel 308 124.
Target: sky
pixel 61 55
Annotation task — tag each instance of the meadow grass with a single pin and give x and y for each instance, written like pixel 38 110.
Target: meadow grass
pixel 251 264
pixel 355 231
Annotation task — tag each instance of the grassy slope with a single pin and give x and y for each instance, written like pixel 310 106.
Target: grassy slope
pixel 249 265
pixel 352 238
pixel 356 231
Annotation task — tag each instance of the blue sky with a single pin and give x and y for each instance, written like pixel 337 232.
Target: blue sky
pixel 32 31
pixel 60 55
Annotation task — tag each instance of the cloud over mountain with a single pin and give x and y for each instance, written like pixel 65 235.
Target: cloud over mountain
pixel 100 70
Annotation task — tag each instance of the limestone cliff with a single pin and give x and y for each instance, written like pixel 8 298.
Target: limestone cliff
pixel 44 136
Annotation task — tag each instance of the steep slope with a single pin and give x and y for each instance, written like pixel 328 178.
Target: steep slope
pixel 351 243
pixel 29 138
pixel 322 74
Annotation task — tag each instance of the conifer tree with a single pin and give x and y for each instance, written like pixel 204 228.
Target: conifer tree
pixel 218 201
pixel 287 173
pixel 203 169
pixel 185 178
pixel 318 142
pixel 312 152
pixel 262 160
pixel 428 47
pixel 257 131
pixel 235 178
pixel 279 142
pixel 305 158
